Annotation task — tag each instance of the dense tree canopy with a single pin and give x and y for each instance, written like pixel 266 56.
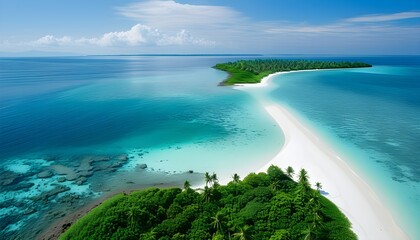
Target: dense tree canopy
pixel 252 71
pixel 261 206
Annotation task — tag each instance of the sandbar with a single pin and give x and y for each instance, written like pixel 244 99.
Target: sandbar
pixel 303 148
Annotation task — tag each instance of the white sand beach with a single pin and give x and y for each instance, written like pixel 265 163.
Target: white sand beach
pixel 303 149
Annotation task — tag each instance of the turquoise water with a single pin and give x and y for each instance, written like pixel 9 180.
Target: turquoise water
pixel 75 129
pixel 372 116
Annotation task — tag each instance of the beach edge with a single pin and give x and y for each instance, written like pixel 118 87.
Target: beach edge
pixel 303 148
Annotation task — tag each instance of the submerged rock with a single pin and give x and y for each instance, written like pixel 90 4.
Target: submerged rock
pixel 85 164
pixel 81 181
pixel 69 199
pixel 45 174
pixel 20 186
pixel 101 167
pixel 29 211
pixel 100 159
pixel 8 220
pixel 9 177
pixel 61 179
pixel 6 204
pixel 123 157
pixel 116 165
pixel 86 173
pixel 142 166
pixel 46 195
pixel 19 204
pixel 63 170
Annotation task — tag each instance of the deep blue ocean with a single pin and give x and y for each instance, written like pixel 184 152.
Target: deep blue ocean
pixel 73 129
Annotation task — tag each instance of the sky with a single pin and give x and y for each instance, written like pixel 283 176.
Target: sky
pixel 354 27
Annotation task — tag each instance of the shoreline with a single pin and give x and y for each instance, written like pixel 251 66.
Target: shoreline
pixel 328 166
pixel 265 81
pixel 370 219
pixel 58 226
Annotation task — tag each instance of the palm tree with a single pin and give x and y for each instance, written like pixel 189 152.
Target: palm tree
pixel 318 186
pixel 290 172
pixel 304 180
pixel 132 216
pixel 315 201
pixel 187 185
pixel 217 222
pixel 214 178
pixel 303 176
pixel 207 178
pixel 207 194
pixel 242 234
pixel 317 220
pixel 276 185
pixel 314 204
pixel 303 188
pixel 313 228
pixel 236 178
pixel 308 233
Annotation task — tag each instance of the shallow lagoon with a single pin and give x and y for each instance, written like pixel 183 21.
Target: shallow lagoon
pixel 371 116
pixel 76 129
pixel 73 130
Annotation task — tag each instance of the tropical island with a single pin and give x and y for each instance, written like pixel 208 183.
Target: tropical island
pixel 252 71
pixel 261 206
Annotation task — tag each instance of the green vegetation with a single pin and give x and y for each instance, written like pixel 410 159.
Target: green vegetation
pixel 261 206
pixel 252 71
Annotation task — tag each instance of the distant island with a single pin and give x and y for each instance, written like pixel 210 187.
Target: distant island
pixel 261 206
pixel 252 71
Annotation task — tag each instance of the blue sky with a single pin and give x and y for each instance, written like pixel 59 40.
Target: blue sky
pixel 211 26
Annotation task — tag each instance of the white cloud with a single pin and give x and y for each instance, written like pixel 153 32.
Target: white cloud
pixel 165 14
pixel 138 35
pixel 367 25
pixel 358 35
pixel 385 17
pixel 228 26
pixel 309 29
pixel 165 25
pixel 338 29
pixel 51 40
pixel 183 38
